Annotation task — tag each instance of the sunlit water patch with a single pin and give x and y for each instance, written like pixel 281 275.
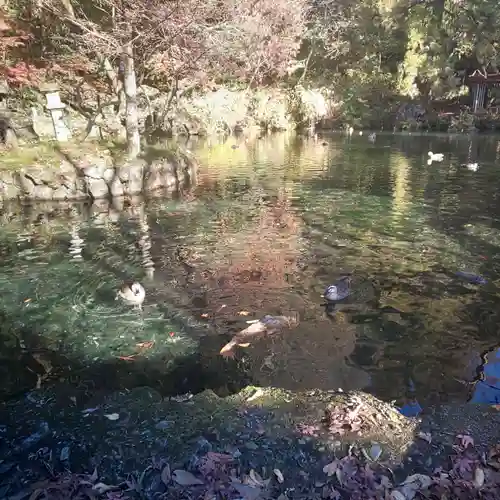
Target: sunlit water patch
pixel 268 225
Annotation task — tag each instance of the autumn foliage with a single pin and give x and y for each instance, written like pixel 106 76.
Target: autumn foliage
pixel 12 37
pixel 251 268
pixel 199 40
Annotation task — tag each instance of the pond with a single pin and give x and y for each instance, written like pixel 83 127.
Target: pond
pixel 267 226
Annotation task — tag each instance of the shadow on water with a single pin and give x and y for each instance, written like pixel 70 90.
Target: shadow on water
pixel 267 226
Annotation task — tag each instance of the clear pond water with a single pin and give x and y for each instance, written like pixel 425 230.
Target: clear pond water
pixel 268 224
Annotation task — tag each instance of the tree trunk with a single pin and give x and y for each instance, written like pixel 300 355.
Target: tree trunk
pixel 132 114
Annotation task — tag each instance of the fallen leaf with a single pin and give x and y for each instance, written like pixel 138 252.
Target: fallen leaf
pixel 493 459
pixel 396 495
pixel 220 457
pixel 36 493
pixel 145 345
pixel 243 313
pixel 112 416
pixel 171 333
pixel 94 477
pixel 90 410
pixel 166 475
pixel 426 436
pixel 333 494
pixel 64 455
pixel 204 315
pixel 466 440
pixel 478 477
pixel 413 484
pixel 101 488
pixel 331 468
pixel 27 300
pixel 127 358
pixel 279 476
pixel 254 477
pixel 340 476
pixel 421 480
pixel 247 492
pixel 185 478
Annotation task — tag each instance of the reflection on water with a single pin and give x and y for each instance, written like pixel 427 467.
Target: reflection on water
pixel 268 225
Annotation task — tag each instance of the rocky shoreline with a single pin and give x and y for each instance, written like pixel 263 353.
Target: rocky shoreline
pixel 96 177
pixel 269 443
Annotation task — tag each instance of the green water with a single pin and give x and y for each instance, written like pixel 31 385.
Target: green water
pixel 269 223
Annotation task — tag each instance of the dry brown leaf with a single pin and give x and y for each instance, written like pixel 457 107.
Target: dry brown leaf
pixel 145 345
pixel 204 315
pixel 243 313
pixel 127 358
pixel 185 478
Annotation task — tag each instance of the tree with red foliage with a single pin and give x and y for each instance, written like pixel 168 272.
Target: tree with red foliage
pixel 13 37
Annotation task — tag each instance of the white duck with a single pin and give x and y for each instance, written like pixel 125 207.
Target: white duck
pixel 472 166
pixel 132 293
pixel 434 157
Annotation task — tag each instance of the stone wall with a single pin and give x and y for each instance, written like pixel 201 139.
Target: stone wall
pixel 96 178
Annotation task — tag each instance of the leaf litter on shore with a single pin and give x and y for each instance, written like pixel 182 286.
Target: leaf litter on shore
pixel 468 475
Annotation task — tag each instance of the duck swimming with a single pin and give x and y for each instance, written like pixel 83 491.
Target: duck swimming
pixel 132 293
pixel 472 166
pixel 434 157
pixel 340 290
